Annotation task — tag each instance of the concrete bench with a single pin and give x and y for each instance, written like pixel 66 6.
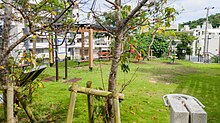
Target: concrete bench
pixel 185 109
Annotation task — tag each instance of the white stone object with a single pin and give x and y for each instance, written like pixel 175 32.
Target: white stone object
pixel 178 113
pixel 185 109
pixel 196 112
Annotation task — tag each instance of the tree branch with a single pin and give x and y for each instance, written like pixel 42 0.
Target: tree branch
pixel 115 5
pixel 133 12
pixel 9 49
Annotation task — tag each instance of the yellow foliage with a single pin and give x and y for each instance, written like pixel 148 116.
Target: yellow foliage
pixel 34 36
pixel 143 28
pixel 29 7
pixel 1 67
pixel 17 107
pixel 28 59
pixel 40 85
pixel 54 13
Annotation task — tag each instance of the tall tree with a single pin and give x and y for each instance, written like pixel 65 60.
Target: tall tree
pixel 184 48
pixel 44 15
pixel 120 23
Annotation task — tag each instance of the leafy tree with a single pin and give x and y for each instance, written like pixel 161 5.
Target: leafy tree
pixel 184 47
pixel 123 21
pixel 213 19
pixel 46 15
pixel 143 40
pixel 160 46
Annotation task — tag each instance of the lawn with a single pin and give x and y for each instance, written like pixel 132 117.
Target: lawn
pixel 142 102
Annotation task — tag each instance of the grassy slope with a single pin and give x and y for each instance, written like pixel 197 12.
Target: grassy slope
pixel 143 101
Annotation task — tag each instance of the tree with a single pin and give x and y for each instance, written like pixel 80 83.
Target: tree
pixel 184 48
pixel 122 22
pixel 213 19
pixel 43 16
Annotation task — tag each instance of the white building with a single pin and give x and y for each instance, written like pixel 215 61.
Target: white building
pixel 42 42
pixel 212 46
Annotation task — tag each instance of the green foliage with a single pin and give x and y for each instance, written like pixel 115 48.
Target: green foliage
pixel 100 111
pixel 142 41
pixel 213 19
pixel 125 62
pixel 42 13
pixel 160 46
pixel 184 47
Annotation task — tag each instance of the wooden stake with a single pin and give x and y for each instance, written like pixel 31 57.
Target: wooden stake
pixel 51 51
pixel 90 103
pixel 72 103
pixel 10 103
pixel 96 92
pixel 90 49
pixel 117 108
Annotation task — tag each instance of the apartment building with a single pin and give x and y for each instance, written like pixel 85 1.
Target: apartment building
pixel 42 41
pixel 200 48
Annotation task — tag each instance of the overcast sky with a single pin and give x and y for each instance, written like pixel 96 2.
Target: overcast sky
pixel 192 9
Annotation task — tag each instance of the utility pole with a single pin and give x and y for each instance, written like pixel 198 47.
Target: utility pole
pixel 206 27
pixel 219 50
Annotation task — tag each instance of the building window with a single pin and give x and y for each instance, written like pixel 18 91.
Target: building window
pixel 40 50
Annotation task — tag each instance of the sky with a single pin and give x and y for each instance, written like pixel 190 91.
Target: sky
pixel 194 9
pixel 189 9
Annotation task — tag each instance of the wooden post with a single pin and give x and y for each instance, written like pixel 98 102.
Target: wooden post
pixel 90 49
pixel 51 53
pixel 10 103
pixel 72 103
pixel 83 47
pixel 116 108
pixel 90 103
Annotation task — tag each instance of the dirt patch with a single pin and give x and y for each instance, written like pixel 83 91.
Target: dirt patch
pixel 49 79
pixel 73 80
pixel 162 78
pixel 153 80
pixel 169 63
pixel 138 62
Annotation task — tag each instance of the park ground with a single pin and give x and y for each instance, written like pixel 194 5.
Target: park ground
pixel 143 97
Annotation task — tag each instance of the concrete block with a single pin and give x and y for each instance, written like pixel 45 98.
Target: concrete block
pixel 196 112
pixel 178 112
pixel 185 109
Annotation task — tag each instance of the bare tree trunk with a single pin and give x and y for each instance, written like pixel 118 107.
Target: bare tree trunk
pixel 4 79
pixel 149 47
pixel 113 74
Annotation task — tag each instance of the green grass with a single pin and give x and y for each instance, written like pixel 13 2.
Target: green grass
pixel 142 101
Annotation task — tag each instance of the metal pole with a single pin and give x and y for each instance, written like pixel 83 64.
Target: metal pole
pixel 56 57
pixel 206 27
pixel 83 47
pixel 207 49
pixel 66 69
pixel 219 50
